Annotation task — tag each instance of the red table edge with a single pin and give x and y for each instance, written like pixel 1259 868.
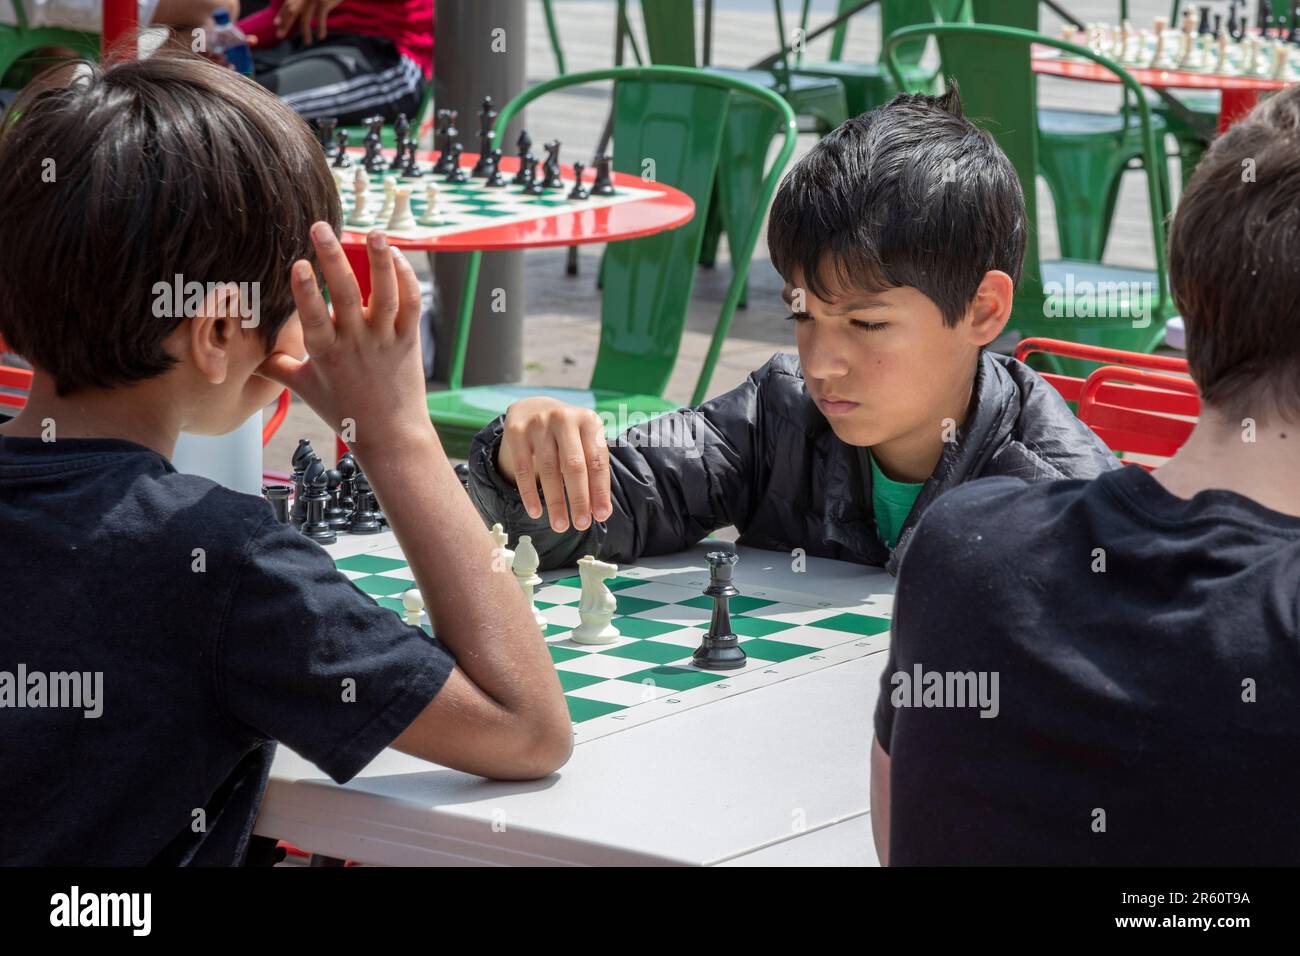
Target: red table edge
pixel 1238 94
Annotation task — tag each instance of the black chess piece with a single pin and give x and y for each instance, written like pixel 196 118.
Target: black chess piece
pixel 374 162
pixel 315 526
pixel 532 185
pixel 578 191
pixel 1204 26
pixel 1236 25
pixel 551 168
pixel 1263 17
pixel 278 496
pixel 604 184
pixel 522 145
pixel 483 167
pixel 412 168
pixel 1294 35
pixel 347 469
pixel 494 179
pixel 335 516
pixel 720 650
pixel 1218 24
pixel 401 127
pixel 325 133
pixel 457 174
pixel 462 472
pixel 365 519
pixel 302 457
pixel 341 158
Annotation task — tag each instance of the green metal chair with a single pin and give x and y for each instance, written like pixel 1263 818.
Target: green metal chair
pixel 1083 154
pixel 675 115
pixel 750 128
pixel 991 66
pixel 868 85
pixel 20 40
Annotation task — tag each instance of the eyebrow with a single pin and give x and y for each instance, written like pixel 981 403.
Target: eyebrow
pixel 855 305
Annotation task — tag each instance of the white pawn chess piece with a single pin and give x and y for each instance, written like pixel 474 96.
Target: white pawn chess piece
pixel 390 197
pixel 402 217
pixel 360 179
pixel 1221 54
pixel 597 606
pixel 413 602
pixel 1281 59
pixel 340 177
pixel 360 215
pixel 1250 61
pixel 525 567
pixel 430 217
pixel 1158 55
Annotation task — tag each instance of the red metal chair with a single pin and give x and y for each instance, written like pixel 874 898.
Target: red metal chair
pixel 270 428
pixel 14 380
pixel 1070 386
pixel 1139 412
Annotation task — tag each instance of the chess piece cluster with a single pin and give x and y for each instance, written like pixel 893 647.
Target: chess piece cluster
pixel 324 503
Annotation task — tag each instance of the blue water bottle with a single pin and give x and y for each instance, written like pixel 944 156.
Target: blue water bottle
pixel 228 39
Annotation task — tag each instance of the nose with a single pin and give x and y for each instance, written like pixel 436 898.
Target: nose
pixel 820 354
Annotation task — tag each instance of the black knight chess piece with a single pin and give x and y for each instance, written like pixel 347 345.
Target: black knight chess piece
pixel 604 184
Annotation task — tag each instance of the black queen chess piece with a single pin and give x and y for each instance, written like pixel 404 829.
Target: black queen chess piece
pixel 720 650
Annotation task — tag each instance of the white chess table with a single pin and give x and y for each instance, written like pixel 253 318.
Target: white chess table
pixel 771 772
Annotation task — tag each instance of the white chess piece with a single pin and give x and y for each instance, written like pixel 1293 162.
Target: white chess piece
pixel 430 216
pixel 360 180
pixel 1158 55
pixel 402 217
pixel 360 215
pixel 340 177
pixel 390 197
pixel 1281 60
pixel 597 606
pixel 503 559
pixel 413 602
pixel 525 568
pixel 1221 54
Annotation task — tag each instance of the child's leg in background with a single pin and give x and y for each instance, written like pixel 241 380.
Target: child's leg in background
pixel 349 78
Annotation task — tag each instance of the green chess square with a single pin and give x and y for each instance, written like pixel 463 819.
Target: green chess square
pixel 644 627
pixel 571 681
pixel 652 652
pixel 369 563
pixel 553 629
pixel 561 654
pixel 581 709
pixel 383 585
pixel 863 624
pixel 774 650
pixel 674 678
pixel 634 605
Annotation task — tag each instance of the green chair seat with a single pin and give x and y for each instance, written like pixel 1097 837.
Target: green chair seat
pixel 820 97
pixel 461 414
pixel 1083 155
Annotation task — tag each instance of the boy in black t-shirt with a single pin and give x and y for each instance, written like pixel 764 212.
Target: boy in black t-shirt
pixel 1133 641
pixel 160 632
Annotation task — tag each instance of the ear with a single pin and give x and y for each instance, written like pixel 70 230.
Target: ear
pixel 214 329
pixel 991 307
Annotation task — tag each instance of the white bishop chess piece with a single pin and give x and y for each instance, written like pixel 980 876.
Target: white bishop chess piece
pixel 596 609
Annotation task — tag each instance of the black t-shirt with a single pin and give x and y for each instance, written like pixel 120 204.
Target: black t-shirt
pixel 1145 714
pixel 217 631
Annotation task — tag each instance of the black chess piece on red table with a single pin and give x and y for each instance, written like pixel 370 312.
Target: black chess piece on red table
pixel 522 145
pixel 325 133
pixel 578 191
pixel 341 158
pixel 365 519
pixel 335 516
pixel 457 174
pixel 494 179
pixel 347 469
pixel 302 457
pixel 604 184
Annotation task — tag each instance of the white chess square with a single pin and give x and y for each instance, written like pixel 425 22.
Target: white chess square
pixel 680 614
pixel 601 665
pixel 653 591
pixel 562 614
pixel 558 594
pixel 626 693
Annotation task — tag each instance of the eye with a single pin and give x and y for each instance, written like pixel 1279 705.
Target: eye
pixel 797 317
pixel 869 326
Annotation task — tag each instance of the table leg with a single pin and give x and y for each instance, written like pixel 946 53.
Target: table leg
pixel 1234 104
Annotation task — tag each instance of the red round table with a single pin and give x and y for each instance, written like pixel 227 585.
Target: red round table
pixel 567 226
pixel 1239 94
pixel 573 225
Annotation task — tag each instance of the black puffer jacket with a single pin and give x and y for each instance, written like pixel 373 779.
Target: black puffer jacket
pixel 762 457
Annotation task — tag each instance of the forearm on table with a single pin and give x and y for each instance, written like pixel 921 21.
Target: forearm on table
pixel 480 615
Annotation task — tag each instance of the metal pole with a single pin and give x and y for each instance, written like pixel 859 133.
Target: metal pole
pixel 481 49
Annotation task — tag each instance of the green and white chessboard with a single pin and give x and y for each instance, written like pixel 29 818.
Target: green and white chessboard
pixel 472 205
pixel 662 613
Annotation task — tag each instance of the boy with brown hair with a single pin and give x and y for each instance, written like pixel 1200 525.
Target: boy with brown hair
pixel 206 630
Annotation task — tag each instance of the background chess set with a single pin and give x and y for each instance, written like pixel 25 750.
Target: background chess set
pixel 471 205
pixel 662 615
pixel 1193 45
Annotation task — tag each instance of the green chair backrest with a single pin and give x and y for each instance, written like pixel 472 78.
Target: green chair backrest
pixel 669 31
pixel 673 117
pixel 17 41
pixel 1008 13
pixel 991 65
pixel 894 15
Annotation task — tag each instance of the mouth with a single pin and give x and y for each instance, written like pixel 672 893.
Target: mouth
pixel 835 406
